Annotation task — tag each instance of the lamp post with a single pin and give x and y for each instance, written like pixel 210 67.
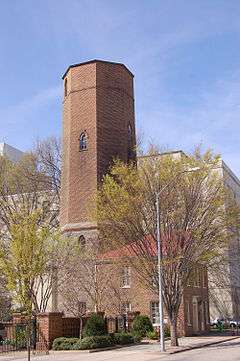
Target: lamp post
pixel 159 256
pixel 160 295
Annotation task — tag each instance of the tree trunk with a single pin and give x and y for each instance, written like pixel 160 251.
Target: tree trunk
pixel 173 330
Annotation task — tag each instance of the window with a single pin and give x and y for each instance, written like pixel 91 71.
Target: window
pixel 204 278
pixel 125 308
pixel 154 309
pixel 126 275
pixel 188 314
pixel 82 241
pixel 83 141
pixel 65 88
pixel 206 312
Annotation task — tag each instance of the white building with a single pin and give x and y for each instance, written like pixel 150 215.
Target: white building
pixel 224 290
pixel 10 152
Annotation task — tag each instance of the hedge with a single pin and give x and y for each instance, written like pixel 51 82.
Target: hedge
pixel 64 343
pixel 89 343
pixel 92 342
pixel 123 338
pixel 152 335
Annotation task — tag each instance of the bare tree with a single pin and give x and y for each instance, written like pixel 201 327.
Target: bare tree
pixel 194 223
pixel 48 155
pixel 90 280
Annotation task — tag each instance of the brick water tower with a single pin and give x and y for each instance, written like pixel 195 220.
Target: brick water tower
pixel 98 126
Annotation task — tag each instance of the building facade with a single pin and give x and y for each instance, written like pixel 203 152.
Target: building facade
pixel 128 293
pixel 224 284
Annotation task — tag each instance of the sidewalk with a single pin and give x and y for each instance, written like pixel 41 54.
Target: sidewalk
pixel 140 352
pixel 190 343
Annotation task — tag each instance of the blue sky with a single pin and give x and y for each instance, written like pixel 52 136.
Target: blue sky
pixel 185 55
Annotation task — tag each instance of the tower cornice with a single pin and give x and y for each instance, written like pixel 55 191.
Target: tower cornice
pixel 95 61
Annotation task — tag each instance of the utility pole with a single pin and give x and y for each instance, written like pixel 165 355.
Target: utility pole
pixel 160 295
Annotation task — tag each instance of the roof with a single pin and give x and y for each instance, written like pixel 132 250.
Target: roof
pixel 95 61
pixel 171 152
pixel 10 152
pixel 173 243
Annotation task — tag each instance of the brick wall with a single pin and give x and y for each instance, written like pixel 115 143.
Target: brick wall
pixel 140 298
pixel 100 102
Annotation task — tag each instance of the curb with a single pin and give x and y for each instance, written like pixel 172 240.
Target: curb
pixel 189 348
pixel 116 347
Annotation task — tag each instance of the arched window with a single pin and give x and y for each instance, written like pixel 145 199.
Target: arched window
pixel 65 88
pixel 83 141
pixel 82 241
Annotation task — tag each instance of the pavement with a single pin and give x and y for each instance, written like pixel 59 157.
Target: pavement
pixel 226 351
pixel 219 348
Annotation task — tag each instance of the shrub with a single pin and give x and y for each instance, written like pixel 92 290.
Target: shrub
pixel 95 326
pixel 152 335
pixel 137 338
pixel 89 343
pixel 123 338
pixel 141 325
pixel 64 343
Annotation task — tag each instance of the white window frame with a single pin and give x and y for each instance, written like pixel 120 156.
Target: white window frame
pixel 154 312
pixel 126 277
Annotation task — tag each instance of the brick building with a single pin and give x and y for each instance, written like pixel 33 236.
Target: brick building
pixel 99 126
pixel 130 293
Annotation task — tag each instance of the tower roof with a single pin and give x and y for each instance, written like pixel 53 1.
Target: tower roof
pixel 96 61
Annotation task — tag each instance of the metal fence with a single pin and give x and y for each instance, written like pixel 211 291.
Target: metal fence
pixel 19 336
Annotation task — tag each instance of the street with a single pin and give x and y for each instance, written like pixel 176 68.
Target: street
pixel 227 351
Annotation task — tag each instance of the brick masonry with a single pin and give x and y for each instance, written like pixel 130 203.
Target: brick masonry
pixel 99 101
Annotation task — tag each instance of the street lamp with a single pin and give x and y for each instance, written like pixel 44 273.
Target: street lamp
pixel 159 255
pixel 160 295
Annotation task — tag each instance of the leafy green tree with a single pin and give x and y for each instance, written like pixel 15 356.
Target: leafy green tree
pixel 25 258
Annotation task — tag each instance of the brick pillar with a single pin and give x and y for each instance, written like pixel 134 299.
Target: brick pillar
pixel 50 326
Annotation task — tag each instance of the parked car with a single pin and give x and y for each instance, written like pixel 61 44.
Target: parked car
pixel 234 323
pixel 224 321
